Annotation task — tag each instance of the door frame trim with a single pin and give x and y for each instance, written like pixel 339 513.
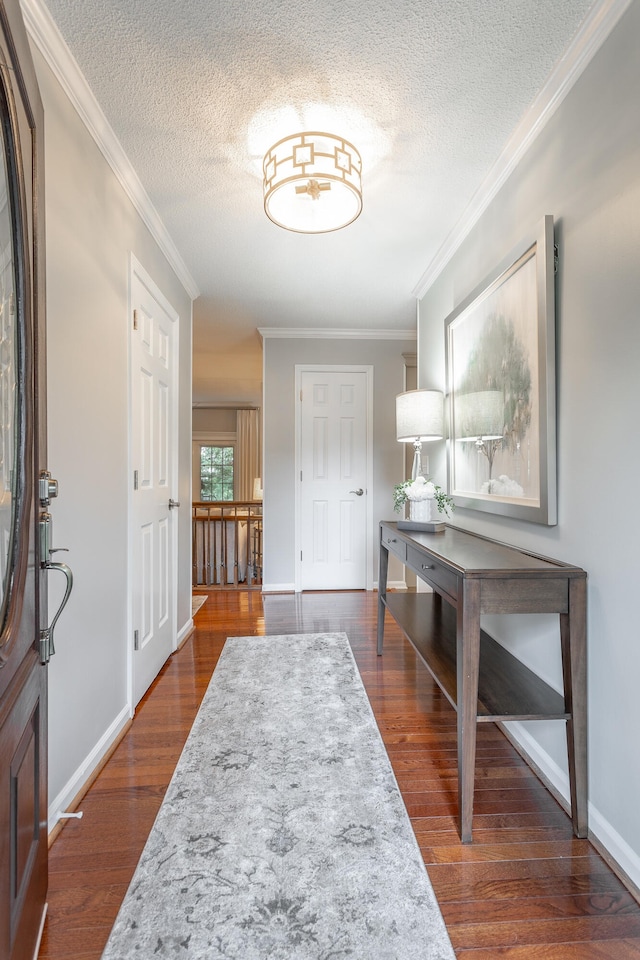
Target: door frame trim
pixel 368 369
pixel 137 270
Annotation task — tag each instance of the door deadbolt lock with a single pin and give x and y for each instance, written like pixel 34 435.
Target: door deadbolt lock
pixel 47 488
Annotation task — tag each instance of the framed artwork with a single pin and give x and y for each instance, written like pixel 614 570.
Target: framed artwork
pixel 500 354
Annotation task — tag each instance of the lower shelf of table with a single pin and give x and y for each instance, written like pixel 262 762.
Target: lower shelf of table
pixel 507 689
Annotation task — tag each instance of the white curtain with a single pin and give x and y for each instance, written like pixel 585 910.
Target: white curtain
pixel 248 452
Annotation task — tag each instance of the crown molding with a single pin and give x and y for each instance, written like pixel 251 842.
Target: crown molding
pixel 49 41
pixel 601 20
pixel 324 333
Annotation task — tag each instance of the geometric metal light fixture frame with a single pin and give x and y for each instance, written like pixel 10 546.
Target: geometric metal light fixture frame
pixel 312 182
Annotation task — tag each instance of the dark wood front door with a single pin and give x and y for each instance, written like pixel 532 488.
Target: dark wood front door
pixel 23 677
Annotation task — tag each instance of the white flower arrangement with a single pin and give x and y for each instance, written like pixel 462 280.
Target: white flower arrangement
pixel 421 489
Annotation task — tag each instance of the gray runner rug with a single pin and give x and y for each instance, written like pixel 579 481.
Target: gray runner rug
pixel 283 835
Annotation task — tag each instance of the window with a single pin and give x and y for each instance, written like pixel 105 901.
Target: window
pixel 216 472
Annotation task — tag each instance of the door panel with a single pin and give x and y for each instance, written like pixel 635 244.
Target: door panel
pixel 333 479
pixel 153 401
pixel 23 607
pixel 23 810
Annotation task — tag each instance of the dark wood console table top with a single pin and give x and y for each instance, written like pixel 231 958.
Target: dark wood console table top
pixel 479 677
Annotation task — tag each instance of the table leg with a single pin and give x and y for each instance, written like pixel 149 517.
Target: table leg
pixel 574 670
pixel 467 666
pixel 382 594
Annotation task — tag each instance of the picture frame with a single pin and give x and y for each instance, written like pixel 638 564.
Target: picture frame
pixel 501 387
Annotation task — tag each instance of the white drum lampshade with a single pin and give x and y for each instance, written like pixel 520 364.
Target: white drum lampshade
pixel 419 417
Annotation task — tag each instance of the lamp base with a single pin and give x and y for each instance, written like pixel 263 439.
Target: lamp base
pixel 416 469
pixel 424 511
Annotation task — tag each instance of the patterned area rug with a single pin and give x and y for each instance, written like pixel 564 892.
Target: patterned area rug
pixel 196 602
pixel 283 834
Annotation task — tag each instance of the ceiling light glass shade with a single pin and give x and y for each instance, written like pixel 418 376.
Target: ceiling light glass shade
pixel 419 415
pixel 479 416
pixel 312 183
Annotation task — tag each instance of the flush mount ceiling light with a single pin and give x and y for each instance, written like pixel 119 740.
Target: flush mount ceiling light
pixel 312 183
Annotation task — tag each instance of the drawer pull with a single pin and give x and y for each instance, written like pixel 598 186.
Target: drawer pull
pixel 391 540
pixel 428 566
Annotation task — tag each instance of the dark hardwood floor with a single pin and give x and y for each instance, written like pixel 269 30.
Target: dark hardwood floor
pixel 524 890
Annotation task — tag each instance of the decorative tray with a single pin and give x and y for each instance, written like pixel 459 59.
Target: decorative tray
pixel 428 526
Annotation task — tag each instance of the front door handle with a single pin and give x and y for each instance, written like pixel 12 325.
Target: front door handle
pixel 173 504
pixel 357 492
pixel 47 649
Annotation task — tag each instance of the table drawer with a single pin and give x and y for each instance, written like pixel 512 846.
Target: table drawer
pixel 429 569
pixel 395 546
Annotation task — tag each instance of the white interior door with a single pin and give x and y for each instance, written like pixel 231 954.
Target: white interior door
pixel 153 395
pixel 333 443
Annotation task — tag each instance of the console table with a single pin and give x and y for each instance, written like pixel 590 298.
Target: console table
pixel 479 677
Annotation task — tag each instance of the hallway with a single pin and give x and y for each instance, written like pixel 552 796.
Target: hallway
pixel 524 890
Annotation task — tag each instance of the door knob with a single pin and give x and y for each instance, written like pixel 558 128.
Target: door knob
pixel 173 503
pixel 358 492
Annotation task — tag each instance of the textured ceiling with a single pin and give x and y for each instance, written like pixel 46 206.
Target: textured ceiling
pixel 429 91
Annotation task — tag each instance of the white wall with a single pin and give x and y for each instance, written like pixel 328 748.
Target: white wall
pixel 91 230
pixel 584 169
pixel 280 358
pixel 214 420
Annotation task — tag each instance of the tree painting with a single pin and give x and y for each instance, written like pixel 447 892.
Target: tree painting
pixel 500 357
pixel 493 368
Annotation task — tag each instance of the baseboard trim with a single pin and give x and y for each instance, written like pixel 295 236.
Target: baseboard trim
pixel 613 849
pixel 76 787
pixel 184 634
pixel 278 588
pixel 40 931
